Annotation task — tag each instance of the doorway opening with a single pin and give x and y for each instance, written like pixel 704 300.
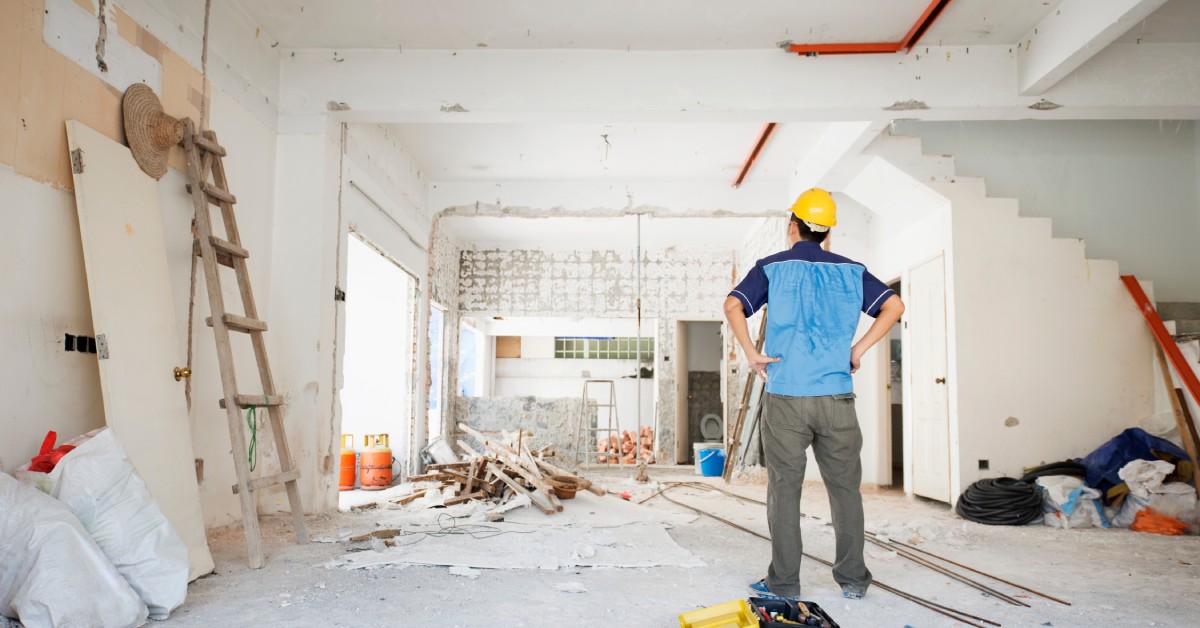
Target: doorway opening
pixel 699 407
pixel 895 397
pixel 377 381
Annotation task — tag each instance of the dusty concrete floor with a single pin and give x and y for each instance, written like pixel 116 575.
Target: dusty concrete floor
pixel 1111 577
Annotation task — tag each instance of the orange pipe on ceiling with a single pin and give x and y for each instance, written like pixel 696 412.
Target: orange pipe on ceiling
pixel 914 34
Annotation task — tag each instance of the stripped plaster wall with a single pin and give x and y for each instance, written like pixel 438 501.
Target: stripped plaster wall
pixel 550 420
pixel 445 258
pixel 675 286
pixel 43 82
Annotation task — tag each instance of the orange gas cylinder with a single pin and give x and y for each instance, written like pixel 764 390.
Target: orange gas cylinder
pixel 349 464
pixel 375 463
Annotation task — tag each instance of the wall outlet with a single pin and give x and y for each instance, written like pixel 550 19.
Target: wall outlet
pixel 984 465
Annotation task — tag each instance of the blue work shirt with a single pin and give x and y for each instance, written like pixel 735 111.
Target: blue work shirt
pixel 816 297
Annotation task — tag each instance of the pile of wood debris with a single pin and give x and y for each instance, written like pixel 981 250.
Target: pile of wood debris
pixel 504 468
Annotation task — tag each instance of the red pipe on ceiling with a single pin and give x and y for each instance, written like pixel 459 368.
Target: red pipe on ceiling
pixel 914 34
pixel 758 146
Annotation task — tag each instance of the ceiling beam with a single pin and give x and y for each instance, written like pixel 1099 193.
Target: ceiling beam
pixel 1075 32
pixel 830 162
pixel 1147 81
pixel 602 198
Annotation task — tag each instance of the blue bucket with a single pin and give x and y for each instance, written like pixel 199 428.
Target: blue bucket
pixel 712 462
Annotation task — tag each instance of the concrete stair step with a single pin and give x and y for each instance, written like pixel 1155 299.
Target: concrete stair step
pixel 905 153
pixel 1175 310
pixel 1103 269
pixel 973 185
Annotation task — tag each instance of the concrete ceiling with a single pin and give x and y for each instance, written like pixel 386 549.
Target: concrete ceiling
pixel 616 233
pixel 631 24
pixel 603 152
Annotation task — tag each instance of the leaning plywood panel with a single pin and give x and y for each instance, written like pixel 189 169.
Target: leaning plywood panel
pixel 130 292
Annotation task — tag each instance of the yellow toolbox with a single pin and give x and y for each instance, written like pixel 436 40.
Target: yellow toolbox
pixel 735 614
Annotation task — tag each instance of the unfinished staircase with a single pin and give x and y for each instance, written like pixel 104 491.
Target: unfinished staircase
pixel 1051 356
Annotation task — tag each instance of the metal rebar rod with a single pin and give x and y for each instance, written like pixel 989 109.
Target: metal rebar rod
pixel 947 611
pixel 983 588
pixel 898 543
pixel 982 573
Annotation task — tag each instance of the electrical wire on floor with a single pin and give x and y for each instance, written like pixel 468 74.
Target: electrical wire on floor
pixel 901 548
pixel 953 613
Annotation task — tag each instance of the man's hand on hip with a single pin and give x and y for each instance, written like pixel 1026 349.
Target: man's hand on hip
pixel 759 362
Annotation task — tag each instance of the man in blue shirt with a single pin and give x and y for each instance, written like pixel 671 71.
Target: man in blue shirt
pixel 815 298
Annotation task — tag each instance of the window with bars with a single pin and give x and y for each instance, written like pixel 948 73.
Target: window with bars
pixel 602 348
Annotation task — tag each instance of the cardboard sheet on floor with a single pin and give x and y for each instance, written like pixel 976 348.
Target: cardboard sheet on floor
pixel 130 291
pixel 533 547
pixel 599 512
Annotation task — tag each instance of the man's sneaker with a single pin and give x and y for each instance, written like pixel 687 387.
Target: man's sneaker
pixel 852 593
pixel 760 590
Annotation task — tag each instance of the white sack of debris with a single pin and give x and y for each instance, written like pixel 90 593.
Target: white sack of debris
pixel 51 572
pixel 98 483
pixel 1147 489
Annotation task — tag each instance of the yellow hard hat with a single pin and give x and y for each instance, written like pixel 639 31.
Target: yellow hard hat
pixel 816 206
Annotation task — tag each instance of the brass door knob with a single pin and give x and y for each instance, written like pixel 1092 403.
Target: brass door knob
pixel 940 380
pixel 181 373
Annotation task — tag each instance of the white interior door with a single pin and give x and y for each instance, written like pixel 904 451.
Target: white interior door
pixel 926 316
pixel 126 260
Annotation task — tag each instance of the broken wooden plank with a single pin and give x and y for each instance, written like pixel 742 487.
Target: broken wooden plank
pixel 449 465
pixel 466 498
pixel 538 501
pixel 553 470
pixel 411 498
pixel 474 470
pixel 462 444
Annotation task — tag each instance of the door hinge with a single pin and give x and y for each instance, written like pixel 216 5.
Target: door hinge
pixel 77 161
pixel 102 346
pixel 339 294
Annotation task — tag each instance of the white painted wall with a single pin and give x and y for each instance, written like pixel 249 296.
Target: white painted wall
pixel 704 346
pixel 41 272
pixel 1131 189
pixel 1045 336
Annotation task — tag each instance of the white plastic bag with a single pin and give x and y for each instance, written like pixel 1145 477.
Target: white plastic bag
pixel 98 483
pixel 51 573
pixel 1146 490
pixel 1144 477
pixel 1069 504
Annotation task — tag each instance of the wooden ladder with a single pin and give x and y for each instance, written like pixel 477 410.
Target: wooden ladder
pixel 204 156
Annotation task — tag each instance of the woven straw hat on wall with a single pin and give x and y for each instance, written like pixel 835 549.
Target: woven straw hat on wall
pixel 150 132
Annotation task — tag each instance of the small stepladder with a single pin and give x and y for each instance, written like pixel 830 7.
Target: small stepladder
pixel 204 156
pixel 589 435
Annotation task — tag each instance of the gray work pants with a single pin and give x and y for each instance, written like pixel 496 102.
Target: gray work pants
pixel 830 425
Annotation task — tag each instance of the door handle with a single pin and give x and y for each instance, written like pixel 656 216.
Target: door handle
pixel 940 380
pixel 181 373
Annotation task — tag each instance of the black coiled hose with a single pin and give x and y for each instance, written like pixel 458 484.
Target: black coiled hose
pixel 1001 502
